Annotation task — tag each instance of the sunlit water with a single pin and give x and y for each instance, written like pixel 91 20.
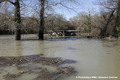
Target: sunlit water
pixel 94 57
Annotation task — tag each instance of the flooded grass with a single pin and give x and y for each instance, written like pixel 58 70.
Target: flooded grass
pixel 34 67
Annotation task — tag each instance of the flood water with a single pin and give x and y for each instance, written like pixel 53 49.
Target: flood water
pixel 94 57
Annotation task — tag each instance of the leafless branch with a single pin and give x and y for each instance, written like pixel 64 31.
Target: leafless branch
pixel 8 1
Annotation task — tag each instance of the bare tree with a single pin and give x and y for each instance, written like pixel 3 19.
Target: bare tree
pixel 117 24
pixel 83 21
pixel 17 16
pixel 112 6
pixel 104 30
pixel 49 4
pixel 41 29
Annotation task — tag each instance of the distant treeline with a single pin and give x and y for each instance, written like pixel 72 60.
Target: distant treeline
pixel 102 24
pixel 2 32
pixel 7 32
pixel 30 25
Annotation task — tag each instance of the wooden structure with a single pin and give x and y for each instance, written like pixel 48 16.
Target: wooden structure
pixel 68 33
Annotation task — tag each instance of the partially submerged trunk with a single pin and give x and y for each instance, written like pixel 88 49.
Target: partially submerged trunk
pixel 116 31
pixel 103 32
pixel 41 28
pixel 17 20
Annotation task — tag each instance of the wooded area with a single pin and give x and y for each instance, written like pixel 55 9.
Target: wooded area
pixel 103 24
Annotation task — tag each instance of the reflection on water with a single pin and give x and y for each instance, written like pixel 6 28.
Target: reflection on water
pixel 94 57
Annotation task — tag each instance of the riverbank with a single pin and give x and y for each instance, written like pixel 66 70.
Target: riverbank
pixel 47 36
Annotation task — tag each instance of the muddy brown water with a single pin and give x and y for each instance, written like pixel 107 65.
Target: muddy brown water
pixel 94 57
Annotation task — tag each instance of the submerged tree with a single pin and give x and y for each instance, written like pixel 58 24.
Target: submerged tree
pixel 17 16
pixel 117 26
pixel 41 29
pixel 112 6
pixel 104 30
pixel 48 4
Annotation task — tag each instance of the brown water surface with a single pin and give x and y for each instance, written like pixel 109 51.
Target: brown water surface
pixel 94 57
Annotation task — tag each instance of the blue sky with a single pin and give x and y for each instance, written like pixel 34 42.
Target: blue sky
pixel 83 6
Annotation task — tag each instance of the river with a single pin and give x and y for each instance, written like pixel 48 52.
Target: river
pixel 94 58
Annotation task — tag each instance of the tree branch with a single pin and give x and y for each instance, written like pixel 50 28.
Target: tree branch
pixel 68 7
pixel 11 2
pixel 8 1
pixel 107 6
pixel 2 1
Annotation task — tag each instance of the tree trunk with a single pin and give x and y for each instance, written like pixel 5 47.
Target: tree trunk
pixel 116 31
pixel 104 30
pixel 17 20
pixel 41 29
pixel 89 23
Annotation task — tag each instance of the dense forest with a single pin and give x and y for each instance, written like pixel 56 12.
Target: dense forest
pixel 104 23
